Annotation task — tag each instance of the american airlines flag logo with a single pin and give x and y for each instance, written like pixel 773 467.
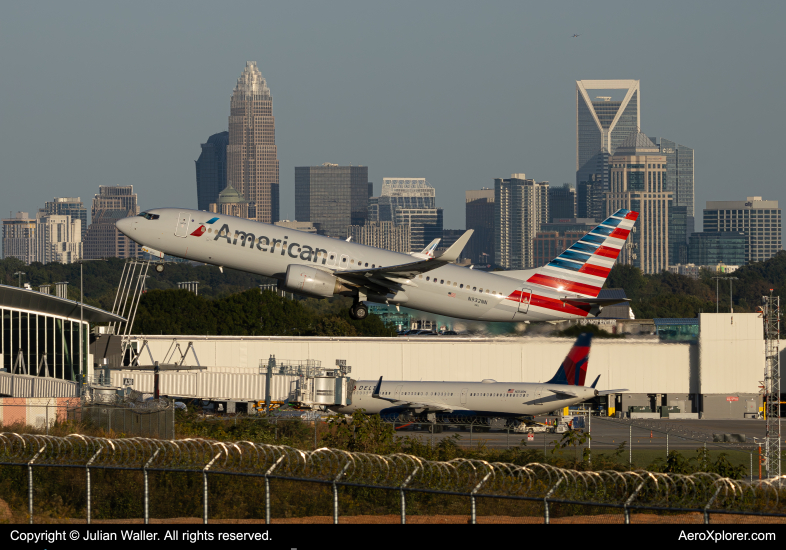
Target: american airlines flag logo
pixel 452 294
pixel 510 391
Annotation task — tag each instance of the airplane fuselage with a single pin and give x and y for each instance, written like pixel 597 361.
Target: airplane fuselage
pixel 497 399
pixel 269 250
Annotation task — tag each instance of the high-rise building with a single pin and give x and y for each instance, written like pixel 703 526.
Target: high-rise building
pixel 58 239
pixel 385 235
pixel 521 206
pixel 412 202
pixel 230 203
pixel 602 124
pixel 252 158
pixel 680 183
pixel 638 173
pixel 562 202
pixel 759 219
pixel 211 170
pixel 590 199
pixel 480 218
pixel 68 206
pixel 714 247
pixel 19 238
pixel 332 196
pixel 547 245
pixel 115 197
pixel 103 240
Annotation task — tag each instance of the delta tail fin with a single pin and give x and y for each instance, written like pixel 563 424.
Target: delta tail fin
pixel 584 267
pixel 573 370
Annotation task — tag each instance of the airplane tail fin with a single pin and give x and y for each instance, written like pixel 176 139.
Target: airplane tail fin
pixel 573 370
pixel 584 267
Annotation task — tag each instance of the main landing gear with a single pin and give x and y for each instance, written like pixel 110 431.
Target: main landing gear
pixel 159 267
pixel 358 311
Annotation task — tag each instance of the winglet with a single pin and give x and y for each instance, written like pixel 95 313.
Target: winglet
pixel 452 253
pixel 375 395
pixel 595 383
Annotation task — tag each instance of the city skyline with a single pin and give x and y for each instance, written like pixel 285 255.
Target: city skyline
pixel 402 116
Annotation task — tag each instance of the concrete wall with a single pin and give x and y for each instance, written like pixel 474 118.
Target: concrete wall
pixel 719 407
pixel 731 354
pixel 640 365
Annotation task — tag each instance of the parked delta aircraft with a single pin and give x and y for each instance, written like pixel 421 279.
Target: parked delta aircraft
pixel 312 265
pixel 486 398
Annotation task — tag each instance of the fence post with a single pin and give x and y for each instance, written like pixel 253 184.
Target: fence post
pixel 709 503
pixel 30 482
pixel 470 435
pixel 335 492
pixel 546 501
pixel 267 489
pixel 403 500
pixel 667 445
pixel 147 495
pixel 751 468
pixel 507 438
pixel 630 447
pixel 46 418
pixel 204 487
pixel 473 518
pixel 630 500
pixel 589 433
pixel 87 474
pixel 315 431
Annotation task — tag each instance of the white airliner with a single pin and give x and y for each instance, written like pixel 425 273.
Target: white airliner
pixel 312 265
pixel 486 398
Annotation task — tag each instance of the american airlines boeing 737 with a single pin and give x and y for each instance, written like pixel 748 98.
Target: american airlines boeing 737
pixel 312 265
pixel 486 398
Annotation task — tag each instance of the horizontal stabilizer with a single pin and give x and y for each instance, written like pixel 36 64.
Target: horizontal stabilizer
pixel 602 302
pixel 566 393
pixel 609 392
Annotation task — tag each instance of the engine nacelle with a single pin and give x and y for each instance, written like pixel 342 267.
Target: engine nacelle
pixel 308 280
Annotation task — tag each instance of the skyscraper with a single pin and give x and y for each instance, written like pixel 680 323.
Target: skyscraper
pixel 758 219
pixel 412 202
pixel 68 206
pixel 480 218
pixel 602 125
pixel 103 240
pixel 19 238
pixel 58 238
pixel 521 206
pixel 252 159
pixel 385 235
pixel 638 173
pixel 590 199
pixel 332 196
pixel 679 182
pixel 562 202
pixel 211 170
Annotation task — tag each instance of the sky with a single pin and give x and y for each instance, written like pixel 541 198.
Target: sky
pixel 119 93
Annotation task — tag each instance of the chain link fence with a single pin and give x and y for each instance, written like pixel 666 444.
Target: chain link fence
pixel 79 478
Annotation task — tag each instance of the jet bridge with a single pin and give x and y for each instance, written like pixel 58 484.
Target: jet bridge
pixel 318 387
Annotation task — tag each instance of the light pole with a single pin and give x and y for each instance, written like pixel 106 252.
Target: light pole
pixel 717 299
pixel 20 273
pixel 82 364
pixel 731 301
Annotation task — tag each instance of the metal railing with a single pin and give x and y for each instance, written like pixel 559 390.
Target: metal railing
pixel 535 490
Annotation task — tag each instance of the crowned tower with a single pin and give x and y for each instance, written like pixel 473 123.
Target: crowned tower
pixel 252 160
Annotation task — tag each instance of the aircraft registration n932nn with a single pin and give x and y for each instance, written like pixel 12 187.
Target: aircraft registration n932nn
pixel 318 266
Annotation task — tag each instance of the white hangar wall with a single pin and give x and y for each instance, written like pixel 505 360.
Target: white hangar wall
pixel 731 351
pixel 641 366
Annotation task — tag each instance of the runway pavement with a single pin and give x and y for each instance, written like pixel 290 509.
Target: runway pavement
pixel 608 434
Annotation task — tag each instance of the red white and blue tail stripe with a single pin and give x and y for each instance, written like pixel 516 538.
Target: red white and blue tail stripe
pixel 583 268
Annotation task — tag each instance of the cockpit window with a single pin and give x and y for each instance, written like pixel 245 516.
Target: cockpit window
pixel 149 216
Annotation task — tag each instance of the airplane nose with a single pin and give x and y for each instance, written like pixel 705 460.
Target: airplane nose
pixel 124 225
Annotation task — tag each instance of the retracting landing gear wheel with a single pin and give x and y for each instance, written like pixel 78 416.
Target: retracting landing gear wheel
pixel 358 312
pixel 159 267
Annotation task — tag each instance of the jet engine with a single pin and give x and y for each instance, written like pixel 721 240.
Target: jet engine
pixel 314 282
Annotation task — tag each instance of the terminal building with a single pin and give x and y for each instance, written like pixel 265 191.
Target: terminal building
pixel 710 366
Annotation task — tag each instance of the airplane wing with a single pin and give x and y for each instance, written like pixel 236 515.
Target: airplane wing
pixel 407 270
pixel 566 393
pixel 424 405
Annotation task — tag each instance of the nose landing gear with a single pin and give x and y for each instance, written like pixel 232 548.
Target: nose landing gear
pixel 358 311
pixel 159 267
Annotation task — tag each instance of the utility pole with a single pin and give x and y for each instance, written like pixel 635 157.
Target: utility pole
pixel 717 296
pixel 731 301
pixel 20 273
